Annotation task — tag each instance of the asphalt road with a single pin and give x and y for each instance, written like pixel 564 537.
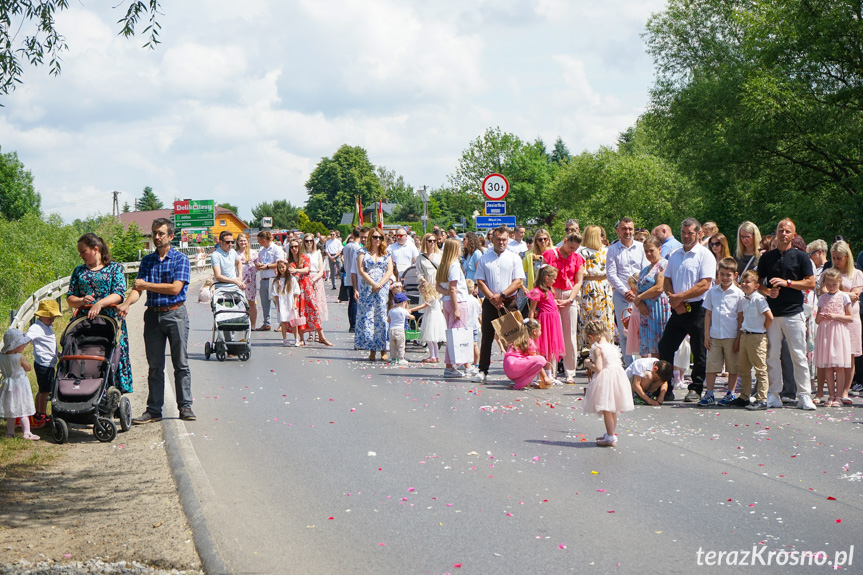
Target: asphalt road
pixel 313 460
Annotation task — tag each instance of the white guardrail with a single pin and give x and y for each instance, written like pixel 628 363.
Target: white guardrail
pixel 55 290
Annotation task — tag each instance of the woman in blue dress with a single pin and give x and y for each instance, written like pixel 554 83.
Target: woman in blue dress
pixel 100 283
pixel 651 299
pixel 374 268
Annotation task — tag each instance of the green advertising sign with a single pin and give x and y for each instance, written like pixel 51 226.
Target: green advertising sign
pixel 194 213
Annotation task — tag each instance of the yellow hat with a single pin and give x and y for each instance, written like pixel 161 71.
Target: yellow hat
pixel 48 308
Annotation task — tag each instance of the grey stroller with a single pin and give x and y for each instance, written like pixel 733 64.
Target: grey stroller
pixel 232 330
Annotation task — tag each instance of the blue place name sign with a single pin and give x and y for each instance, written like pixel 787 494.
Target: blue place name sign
pixel 495 208
pixel 489 222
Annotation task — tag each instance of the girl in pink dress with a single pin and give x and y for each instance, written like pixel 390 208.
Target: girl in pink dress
pixel 833 339
pixel 543 308
pixel 521 363
pixel 610 390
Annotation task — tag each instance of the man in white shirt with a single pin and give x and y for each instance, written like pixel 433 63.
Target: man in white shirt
pixel 499 276
pixel 517 244
pixel 688 276
pixel 403 252
pixel 226 264
pixel 623 259
pixel 268 255
pixel 333 248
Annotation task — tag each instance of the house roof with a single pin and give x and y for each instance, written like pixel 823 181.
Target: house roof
pixel 145 219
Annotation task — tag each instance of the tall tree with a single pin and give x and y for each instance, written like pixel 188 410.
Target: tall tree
pixel 560 154
pixel 17 194
pixel 761 103
pixel 284 214
pixel 148 201
pixel 231 207
pixel 395 189
pixel 336 182
pixel 47 42
pixel 126 208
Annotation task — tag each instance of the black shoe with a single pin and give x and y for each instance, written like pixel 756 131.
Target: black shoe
pixel 147 417
pixel 350 330
pixel 187 414
pixel 669 395
pixel 739 402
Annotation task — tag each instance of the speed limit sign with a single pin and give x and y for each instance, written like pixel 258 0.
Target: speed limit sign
pixel 495 187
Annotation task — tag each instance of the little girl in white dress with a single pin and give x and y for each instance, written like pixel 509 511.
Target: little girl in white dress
pixel 16 397
pixel 610 391
pixel 433 326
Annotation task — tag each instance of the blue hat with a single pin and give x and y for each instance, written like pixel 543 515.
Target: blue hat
pixel 400 298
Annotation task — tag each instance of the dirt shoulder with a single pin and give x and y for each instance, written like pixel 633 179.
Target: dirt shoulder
pixel 116 501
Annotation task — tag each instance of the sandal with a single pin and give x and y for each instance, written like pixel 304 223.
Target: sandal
pixel 847 401
pixel 31 437
pixel 385 357
pixel 326 342
pixel 372 356
pixel 818 400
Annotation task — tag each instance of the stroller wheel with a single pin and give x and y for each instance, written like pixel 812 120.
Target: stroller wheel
pixel 104 429
pixel 59 430
pixel 244 356
pixel 221 355
pixel 207 350
pixel 124 414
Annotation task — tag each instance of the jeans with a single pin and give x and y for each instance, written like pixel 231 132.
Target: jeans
pixel 678 326
pixel 334 270
pixel 620 305
pixel 171 327
pixel 265 300
pixel 352 307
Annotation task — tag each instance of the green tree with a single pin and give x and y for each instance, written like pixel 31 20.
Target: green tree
pixel 46 42
pixel 409 209
pixel 284 214
pixel 231 207
pixel 309 227
pixel 126 208
pixel 17 194
pixel 560 154
pixel 395 189
pixel 336 182
pixel 148 201
pixel 761 104
pixel 524 165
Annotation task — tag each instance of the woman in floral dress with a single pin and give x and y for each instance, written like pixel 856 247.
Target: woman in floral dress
pixel 596 294
pixel 298 263
pixel 316 284
pixel 100 283
pixel 248 257
pixel 374 268
pixel 651 299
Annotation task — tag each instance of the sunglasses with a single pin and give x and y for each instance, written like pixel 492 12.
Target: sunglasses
pixel 227 241
pixel 377 237
pixel 431 241
pixel 309 241
pixel 295 245
pixel 715 244
pixel 400 235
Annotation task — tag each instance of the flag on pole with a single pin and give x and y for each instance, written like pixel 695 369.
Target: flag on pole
pixel 380 215
pixel 355 221
pixel 360 208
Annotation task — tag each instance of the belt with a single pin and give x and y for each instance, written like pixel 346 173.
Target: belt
pixel 753 332
pixel 168 307
pixel 595 278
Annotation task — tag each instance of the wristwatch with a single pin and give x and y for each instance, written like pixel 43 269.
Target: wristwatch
pixel 787 283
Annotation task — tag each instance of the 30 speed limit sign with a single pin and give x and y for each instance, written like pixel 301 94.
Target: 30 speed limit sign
pixel 495 187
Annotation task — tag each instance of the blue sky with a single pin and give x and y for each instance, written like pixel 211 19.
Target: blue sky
pixel 242 99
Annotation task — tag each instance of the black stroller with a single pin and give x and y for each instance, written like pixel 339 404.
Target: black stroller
pixel 84 391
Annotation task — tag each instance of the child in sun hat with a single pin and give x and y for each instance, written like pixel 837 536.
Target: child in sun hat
pixel 16 399
pixel 41 333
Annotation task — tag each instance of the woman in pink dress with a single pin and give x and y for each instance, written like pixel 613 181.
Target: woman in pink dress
pixel 852 284
pixel 521 363
pixel 543 308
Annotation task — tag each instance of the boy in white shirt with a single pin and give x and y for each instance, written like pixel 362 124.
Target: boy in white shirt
pixel 754 317
pixel 721 331
pixel 650 378
pixel 397 316
pixel 44 356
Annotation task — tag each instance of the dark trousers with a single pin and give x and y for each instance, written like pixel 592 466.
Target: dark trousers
pixel 352 307
pixel 171 327
pixel 676 330
pixel 489 314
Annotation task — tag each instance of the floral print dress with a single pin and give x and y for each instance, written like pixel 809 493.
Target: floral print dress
pixel 371 327
pixel 596 294
pixel 651 327
pixel 102 283
pixel 308 304
pixel 250 273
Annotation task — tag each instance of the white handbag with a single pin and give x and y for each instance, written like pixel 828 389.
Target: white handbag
pixel 459 345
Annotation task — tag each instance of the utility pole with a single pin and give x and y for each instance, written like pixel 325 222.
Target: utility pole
pixel 425 218
pixel 115 210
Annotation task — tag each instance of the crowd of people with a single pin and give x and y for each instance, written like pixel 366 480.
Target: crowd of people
pixel 645 302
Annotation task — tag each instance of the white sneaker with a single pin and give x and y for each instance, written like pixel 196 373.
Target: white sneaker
pixel 805 402
pixel 471 371
pixel 454 373
pixel 479 377
pixel 773 401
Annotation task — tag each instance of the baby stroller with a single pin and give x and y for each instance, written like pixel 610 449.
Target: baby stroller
pixel 232 330
pixel 84 391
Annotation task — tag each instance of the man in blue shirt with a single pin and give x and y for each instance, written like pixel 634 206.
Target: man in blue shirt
pixel 225 263
pixel 164 275
pixel 663 233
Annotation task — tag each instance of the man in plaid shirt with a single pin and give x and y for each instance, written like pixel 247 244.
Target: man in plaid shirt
pixel 164 274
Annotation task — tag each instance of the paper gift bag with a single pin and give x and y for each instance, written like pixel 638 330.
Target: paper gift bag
pixel 508 327
pixel 459 345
